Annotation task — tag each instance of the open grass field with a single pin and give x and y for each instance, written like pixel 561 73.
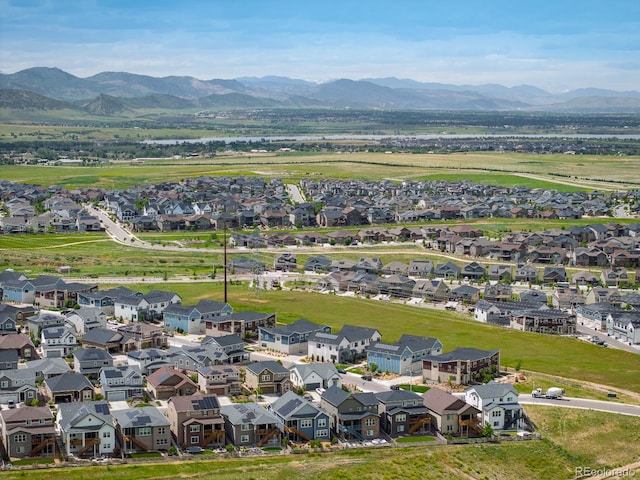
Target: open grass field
pixel 562 172
pixel 564 357
pixel 571 439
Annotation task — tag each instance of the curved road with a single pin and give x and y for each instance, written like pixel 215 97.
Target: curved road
pixel 583 403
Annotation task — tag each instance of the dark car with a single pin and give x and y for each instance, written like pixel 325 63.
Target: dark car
pixel 395 387
pixel 366 377
pixel 194 450
pixel 342 370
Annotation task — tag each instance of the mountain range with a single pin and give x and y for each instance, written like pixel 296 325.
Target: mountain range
pixel 118 93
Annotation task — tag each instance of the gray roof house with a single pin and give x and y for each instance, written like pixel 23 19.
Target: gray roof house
pixel 69 387
pixel 302 420
pixel 89 361
pixel 48 367
pixel 17 386
pixel 142 429
pixel 347 346
pixel 86 429
pixel 353 416
pixel 148 360
pixel 58 341
pixel 403 357
pixel 498 403
pixel 121 382
pixel 310 376
pixel 252 425
pixel 291 339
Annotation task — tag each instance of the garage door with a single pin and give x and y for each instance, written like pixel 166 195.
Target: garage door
pixel 313 386
pixel 116 396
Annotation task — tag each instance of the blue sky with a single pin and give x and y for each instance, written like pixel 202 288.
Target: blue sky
pixel 556 45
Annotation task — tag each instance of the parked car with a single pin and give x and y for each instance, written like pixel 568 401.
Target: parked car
pixel 342 370
pixel 320 390
pixel 368 378
pixel 194 450
pixel 395 387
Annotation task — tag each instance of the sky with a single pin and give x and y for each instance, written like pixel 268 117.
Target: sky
pixel 556 45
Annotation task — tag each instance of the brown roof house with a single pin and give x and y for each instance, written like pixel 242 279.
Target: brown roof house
pixel 167 382
pixel 452 415
pixel 196 421
pixel 28 432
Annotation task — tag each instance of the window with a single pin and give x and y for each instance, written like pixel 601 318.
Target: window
pixel 194 428
pixel 400 428
pixel 401 417
pixel 322 433
pixel 266 378
pixel 322 422
pixel 161 430
pixel 20 449
pixel 370 433
pixel 20 438
pixel 306 423
pixel 370 422
pixel 5 384
pixel 162 441
pixel 142 431
pixel 245 427
pixel 195 439
pixel 106 434
pixel 244 438
pixel 496 424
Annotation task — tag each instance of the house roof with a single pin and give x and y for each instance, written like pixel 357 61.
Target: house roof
pixel 290 403
pixel 69 414
pixel 443 403
pixel 248 413
pixel 301 326
pixel 195 402
pixel 463 354
pixel 49 366
pixel 140 417
pixel 324 370
pixel 271 365
pixel 26 413
pixel 493 390
pixel 92 354
pixel 68 382
pixel 224 341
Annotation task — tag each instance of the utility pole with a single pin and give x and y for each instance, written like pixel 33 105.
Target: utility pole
pixel 224 260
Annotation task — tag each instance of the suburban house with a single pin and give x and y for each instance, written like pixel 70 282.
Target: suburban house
pixel 624 326
pixel 403 357
pixel 196 421
pixel 451 414
pixel 614 277
pixel 403 413
pixel 291 339
pixel 190 358
pixel 148 360
pixel 58 341
pixel 68 387
pixel 595 314
pixel 17 386
pixel 267 377
pixel 431 290
pixel 310 376
pixel 8 360
pixel 144 335
pixel 285 262
pixel 86 318
pixel 245 324
pixel 89 361
pixel 230 345
pixel 167 382
pixel 499 405
pixel 20 343
pixel 142 429
pixel 551 320
pixel 121 382
pixel 108 340
pixel 143 307
pixel 48 367
pixel 353 416
pixel 566 298
pixel 348 346
pixel 251 425
pixel 461 366
pixel 191 319
pixel 28 432
pixel 86 429
pixel 302 420
pixel 220 380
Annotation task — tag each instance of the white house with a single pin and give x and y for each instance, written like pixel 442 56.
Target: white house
pixel 624 326
pixel 86 318
pixel 348 346
pixel 310 376
pixel 86 428
pixel 499 405
pixel 137 308
pixel 58 341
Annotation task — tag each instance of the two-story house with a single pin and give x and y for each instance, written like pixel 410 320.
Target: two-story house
pixel 403 357
pixel 291 339
pixel 301 419
pixel 142 307
pixel 86 429
pixel 461 366
pixel 89 361
pixel 267 377
pixel 403 413
pixel 231 345
pixel 28 432
pixel 310 376
pixel 148 360
pixel 58 341
pixel 245 324
pixel 452 415
pixel 347 346
pixel 121 382
pixel 252 425
pixel 17 386
pixel 220 380
pixel 192 318
pixel 167 382
pixel 498 403
pixel 142 429
pixel 196 421
pixel 353 416
pixel 68 387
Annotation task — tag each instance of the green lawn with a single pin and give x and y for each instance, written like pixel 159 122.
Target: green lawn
pixel 571 438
